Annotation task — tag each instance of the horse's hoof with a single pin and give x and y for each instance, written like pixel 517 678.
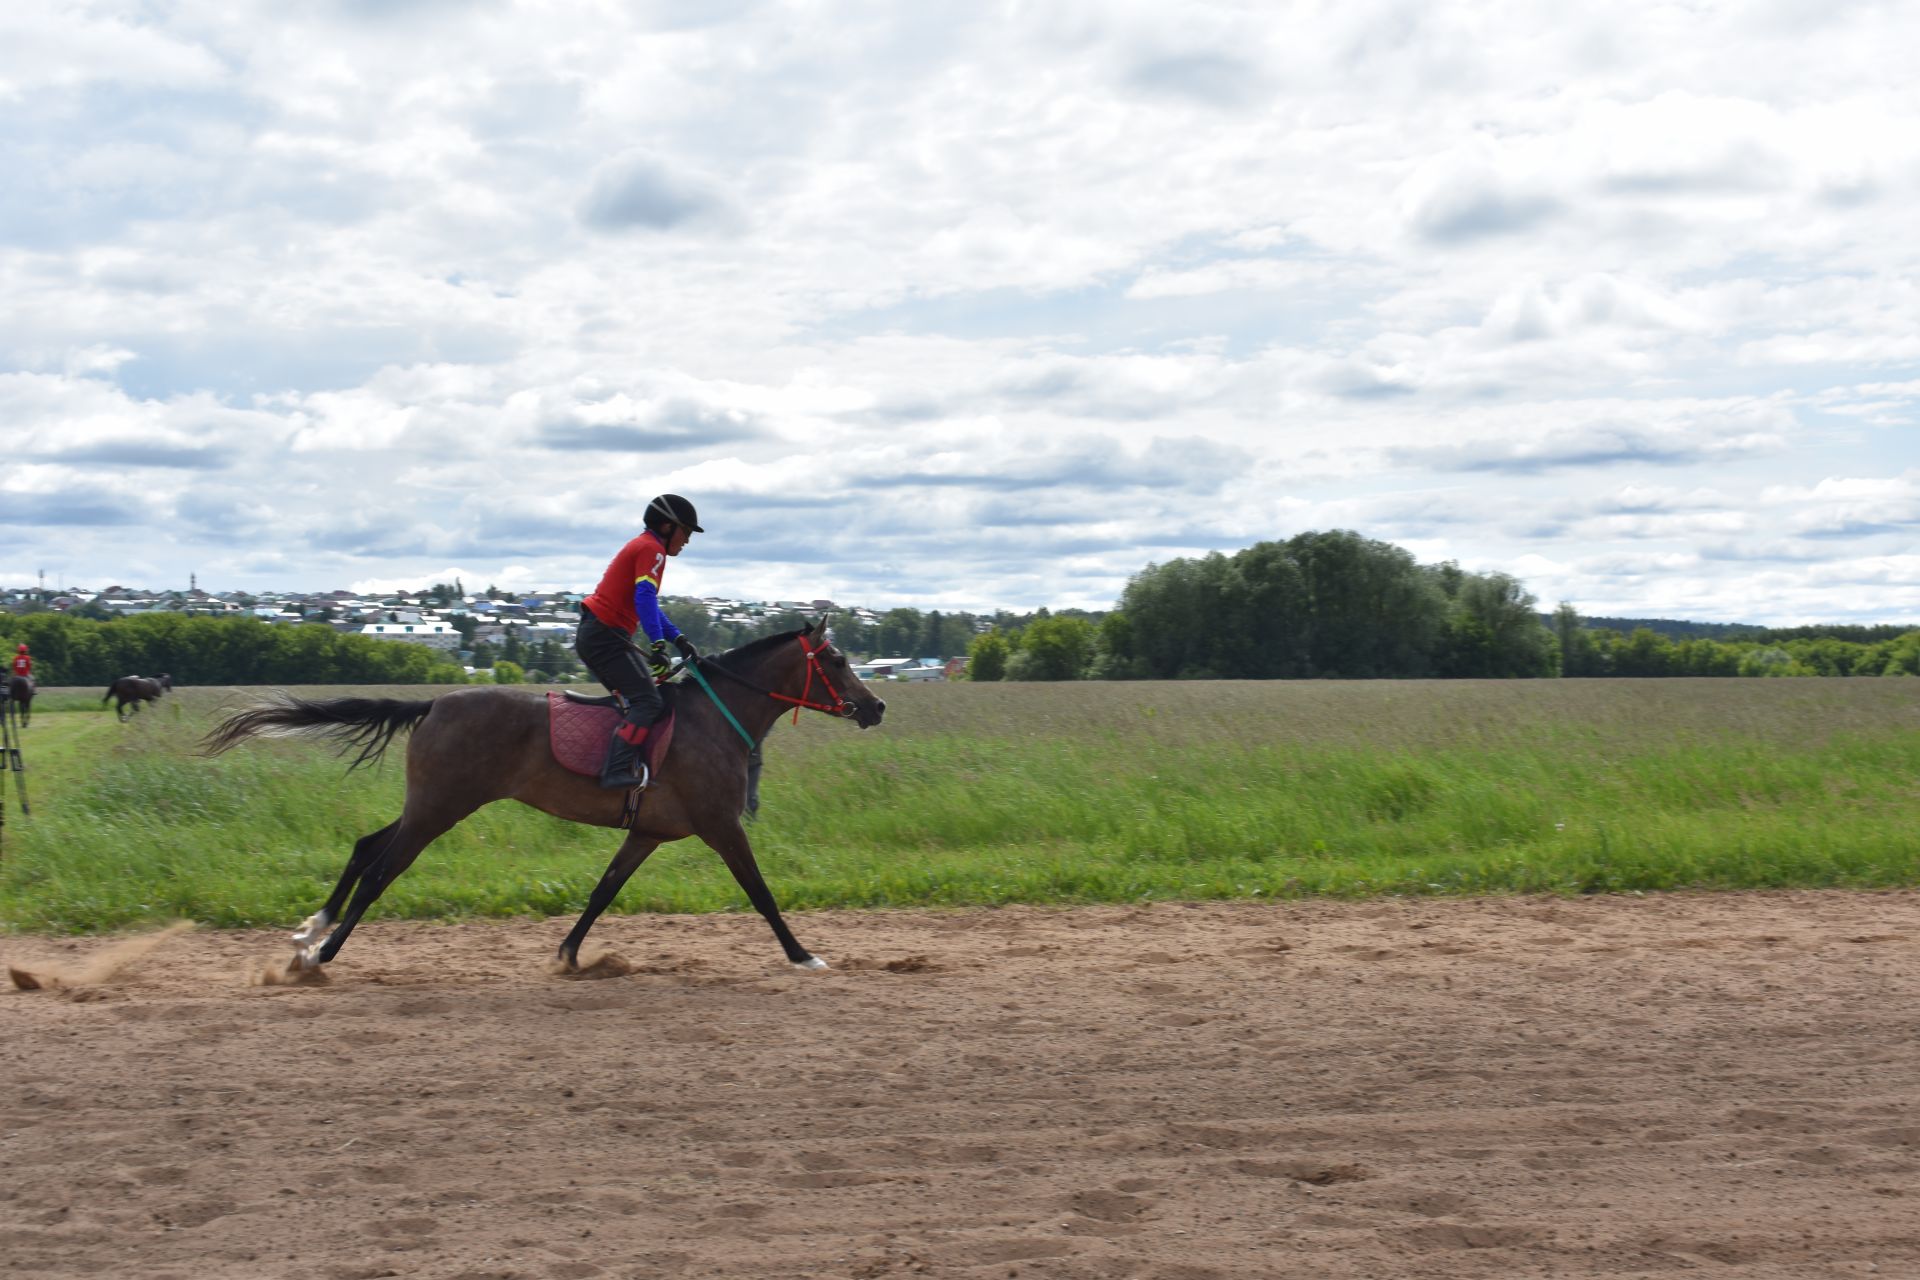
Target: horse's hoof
pixel 310 929
pixel 814 963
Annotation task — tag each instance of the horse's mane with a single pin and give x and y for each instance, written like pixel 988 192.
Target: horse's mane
pixel 754 648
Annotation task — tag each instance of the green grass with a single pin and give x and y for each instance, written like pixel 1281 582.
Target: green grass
pixel 1043 793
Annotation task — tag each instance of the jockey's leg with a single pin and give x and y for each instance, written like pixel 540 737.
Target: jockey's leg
pixel 610 655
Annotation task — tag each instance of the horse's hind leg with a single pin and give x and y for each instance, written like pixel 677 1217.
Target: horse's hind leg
pixel 365 851
pixel 633 851
pixel 409 836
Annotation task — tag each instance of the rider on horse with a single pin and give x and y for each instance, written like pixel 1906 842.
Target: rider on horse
pixel 22 662
pixel 628 600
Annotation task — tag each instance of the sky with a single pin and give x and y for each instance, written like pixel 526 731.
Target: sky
pixel 964 306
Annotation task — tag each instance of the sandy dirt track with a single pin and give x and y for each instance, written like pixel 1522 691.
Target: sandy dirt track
pixel 1723 1085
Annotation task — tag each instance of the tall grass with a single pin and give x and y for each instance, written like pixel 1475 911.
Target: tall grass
pixel 1046 793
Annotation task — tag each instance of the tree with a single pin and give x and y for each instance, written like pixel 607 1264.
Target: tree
pixel 1645 653
pixel 897 632
pixel 1113 649
pixel 1373 612
pixel 505 672
pixel 1578 655
pixel 987 657
pixel 1053 649
pixel 1492 630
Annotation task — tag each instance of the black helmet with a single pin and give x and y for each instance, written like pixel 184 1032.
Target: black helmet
pixel 671 508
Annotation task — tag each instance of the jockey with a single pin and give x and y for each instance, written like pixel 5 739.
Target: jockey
pixel 22 663
pixel 628 600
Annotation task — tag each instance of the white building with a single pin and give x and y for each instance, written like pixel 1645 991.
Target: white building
pixel 427 631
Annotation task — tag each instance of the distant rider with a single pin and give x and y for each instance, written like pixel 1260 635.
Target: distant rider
pixel 22 663
pixel 628 600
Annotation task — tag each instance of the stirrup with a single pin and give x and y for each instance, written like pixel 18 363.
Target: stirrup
pixel 622 783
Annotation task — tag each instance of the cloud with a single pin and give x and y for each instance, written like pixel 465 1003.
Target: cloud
pixel 66 507
pixel 639 191
pixel 1464 197
pixel 136 452
pixel 1213 79
pixel 675 425
pixel 1603 443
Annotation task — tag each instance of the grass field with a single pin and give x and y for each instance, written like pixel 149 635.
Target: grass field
pixel 1040 793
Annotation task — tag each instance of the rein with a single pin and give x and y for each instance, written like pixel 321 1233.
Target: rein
pixel 701 680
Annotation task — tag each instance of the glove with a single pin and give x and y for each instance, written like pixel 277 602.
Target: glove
pixel 686 647
pixel 658 664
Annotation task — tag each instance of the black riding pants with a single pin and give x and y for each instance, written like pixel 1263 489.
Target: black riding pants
pixel 610 654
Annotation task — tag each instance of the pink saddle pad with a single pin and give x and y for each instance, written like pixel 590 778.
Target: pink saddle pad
pixel 580 735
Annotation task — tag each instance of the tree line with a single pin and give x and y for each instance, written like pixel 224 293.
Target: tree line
pixel 70 650
pixel 1336 605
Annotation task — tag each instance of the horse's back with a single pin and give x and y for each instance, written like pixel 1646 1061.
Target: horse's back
pixel 479 728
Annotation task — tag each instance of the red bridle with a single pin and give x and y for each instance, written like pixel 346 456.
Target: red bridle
pixel 838 707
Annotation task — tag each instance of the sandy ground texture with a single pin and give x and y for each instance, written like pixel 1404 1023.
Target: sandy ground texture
pixel 1723 1085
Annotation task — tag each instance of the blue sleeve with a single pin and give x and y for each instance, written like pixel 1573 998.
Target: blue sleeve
pixel 646 607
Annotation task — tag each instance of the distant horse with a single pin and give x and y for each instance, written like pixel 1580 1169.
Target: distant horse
pixel 20 694
pixel 131 691
pixel 490 742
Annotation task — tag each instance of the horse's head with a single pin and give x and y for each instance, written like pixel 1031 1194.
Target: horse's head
pixel 849 694
pixel 166 681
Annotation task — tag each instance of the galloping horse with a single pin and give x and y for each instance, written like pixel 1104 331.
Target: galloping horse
pixel 20 694
pixel 131 691
pixel 474 746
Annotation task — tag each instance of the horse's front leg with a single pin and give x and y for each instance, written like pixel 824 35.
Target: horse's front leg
pixel 632 852
pixel 730 842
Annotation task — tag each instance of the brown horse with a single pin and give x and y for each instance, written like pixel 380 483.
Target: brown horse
pixel 20 694
pixel 474 746
pixel 131 691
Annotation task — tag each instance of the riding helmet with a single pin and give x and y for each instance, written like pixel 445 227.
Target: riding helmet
pixel 671 508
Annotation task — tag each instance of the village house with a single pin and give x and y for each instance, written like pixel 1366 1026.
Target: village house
pixel 422 630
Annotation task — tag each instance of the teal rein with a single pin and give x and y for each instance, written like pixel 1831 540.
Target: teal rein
pixel 694 667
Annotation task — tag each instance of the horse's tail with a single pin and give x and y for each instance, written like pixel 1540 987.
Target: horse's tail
pixel 109 693
pixel 367 723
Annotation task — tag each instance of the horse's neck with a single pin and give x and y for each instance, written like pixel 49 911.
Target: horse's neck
pixel 755 711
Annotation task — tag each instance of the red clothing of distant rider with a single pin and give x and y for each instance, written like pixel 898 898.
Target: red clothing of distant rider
pixel 22 663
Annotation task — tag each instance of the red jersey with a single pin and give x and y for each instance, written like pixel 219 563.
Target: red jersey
pixel 644 560
pixel 22 665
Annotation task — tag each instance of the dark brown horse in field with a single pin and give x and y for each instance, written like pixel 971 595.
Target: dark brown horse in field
pixel 474 746
pixel 131 691
pixel 20 695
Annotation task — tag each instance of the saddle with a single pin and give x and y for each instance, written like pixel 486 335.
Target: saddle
pixel 580 730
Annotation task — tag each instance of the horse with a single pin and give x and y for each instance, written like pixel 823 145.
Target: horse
pixel 20 694
pixel 474 746
pixel 131 691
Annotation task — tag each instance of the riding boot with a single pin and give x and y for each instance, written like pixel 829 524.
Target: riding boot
pixel 624 769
